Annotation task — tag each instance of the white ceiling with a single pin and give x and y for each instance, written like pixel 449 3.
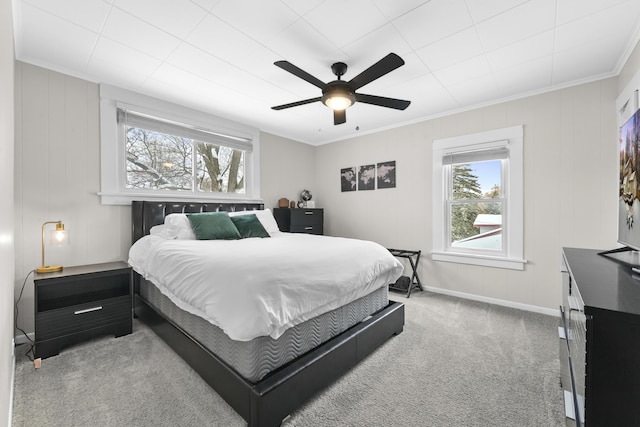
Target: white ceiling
pixel 217 55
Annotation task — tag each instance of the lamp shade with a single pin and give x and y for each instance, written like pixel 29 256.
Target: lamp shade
pixel 58 237
pixel 338 99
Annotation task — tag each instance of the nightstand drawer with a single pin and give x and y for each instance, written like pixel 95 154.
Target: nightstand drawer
pixel 309 229
pixel 76 318
pixel 306 217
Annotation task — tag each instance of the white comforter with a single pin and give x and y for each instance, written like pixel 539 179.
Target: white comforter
pixel 257 287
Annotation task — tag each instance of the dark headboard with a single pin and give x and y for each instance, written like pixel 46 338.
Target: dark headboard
pixel 145 215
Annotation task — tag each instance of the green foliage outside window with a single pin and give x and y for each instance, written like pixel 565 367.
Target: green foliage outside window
pixel 469 202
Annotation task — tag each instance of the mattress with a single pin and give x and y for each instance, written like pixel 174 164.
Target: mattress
pixel 263 286
pixel 254 359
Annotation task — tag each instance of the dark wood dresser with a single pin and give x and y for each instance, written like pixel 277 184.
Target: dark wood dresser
pixel 79 303
pixel 600 340
pixel 300 220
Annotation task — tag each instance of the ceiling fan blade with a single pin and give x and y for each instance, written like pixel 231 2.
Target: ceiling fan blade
pixel 288 66
pixel 295 104
pixel 398 104
pixel 339 117
pixel 377 70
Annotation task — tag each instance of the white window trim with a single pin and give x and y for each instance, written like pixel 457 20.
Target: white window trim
pixel 514 207
pixel 112 176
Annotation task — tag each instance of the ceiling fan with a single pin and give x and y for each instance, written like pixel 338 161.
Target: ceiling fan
pixel 339 94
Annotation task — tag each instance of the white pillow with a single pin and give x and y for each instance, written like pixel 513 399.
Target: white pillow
pixel 264 216
pixel 163 231
pixel 180 226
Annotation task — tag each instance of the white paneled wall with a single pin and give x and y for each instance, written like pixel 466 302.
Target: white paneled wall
pixel 6 213
pixel 570 189
pixel 57 177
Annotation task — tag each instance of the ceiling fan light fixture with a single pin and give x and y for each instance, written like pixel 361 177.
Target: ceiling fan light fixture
pixel 339 95
pixel 338 99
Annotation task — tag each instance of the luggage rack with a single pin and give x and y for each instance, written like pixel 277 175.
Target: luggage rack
pixel 405 283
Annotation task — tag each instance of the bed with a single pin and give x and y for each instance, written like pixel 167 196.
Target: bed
pixel 260 377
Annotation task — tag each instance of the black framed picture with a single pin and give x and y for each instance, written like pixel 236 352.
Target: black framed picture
pixel 386 174
pixel 367 177
pixel 348 179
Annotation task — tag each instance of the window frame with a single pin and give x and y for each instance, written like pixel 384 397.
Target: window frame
pixel 113 157
pixel 512 256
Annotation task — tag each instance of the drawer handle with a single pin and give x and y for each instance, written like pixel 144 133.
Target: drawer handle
pixel 88 310
pixel 308 212
pixel 308 228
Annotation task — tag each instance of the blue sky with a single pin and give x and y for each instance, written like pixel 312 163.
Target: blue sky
pixel 488 173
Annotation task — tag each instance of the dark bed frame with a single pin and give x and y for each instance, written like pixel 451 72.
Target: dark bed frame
pixel 267 402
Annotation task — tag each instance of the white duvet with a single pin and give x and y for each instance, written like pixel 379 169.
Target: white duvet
pixel 258 287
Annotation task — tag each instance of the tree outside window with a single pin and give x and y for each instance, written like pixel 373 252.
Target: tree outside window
pixel 476 214
pixel 162 161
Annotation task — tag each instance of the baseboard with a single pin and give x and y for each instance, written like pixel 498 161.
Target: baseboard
pixel 21 339
pixel 13 382
pixel 504 303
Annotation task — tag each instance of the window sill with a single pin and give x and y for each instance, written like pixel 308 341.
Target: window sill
pixel 127 198
pixel 481 260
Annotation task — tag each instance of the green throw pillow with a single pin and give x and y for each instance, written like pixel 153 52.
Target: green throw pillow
pixel 213 226
pixel 249 226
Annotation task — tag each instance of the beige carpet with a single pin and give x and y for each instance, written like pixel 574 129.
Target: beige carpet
pixel 457 363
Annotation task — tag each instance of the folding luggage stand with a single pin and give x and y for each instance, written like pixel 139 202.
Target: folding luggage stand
pixel 414 281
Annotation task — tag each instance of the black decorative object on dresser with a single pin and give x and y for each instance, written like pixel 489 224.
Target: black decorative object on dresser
pixel 310 221
pixel 79 303
pixel 600 340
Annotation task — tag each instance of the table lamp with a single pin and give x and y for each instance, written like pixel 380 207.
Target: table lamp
pixel 58 238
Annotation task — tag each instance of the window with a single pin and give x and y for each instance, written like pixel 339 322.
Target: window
pixel 170 156
pixel 478 200
pixel 153 150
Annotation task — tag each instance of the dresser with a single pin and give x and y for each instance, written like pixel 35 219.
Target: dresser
pixel 599 340
pixel 300 220
pixel 80 303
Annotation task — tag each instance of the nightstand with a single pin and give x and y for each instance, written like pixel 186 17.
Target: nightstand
pixel 300 220
pixel 80 303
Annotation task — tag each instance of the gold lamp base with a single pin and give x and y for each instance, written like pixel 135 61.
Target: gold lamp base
pixel 49 269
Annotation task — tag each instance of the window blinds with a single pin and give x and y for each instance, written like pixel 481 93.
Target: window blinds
pixel 139 120
pixel 469 155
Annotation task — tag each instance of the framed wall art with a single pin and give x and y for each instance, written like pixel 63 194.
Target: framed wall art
pixel 367 177
pixel 348 179
pixel 386 174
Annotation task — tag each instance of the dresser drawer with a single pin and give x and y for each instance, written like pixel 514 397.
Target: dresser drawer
pixel 299 220
pixel 306 217
pixel 309 229
pixel 76 318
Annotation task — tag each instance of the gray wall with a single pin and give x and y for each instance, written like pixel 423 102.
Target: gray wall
pixel 286 168
pixel 57 170
pixel 6 211
pixel 570 149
